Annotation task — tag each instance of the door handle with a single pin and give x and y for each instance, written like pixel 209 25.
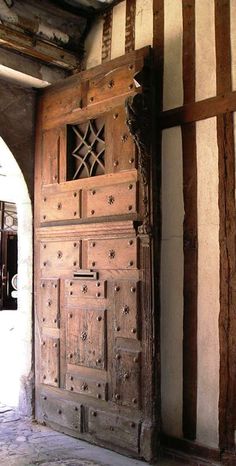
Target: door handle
pixel 3 270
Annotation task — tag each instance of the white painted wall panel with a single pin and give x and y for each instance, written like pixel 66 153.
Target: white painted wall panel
pixel 208 283
pixel 205 49
pixel 143 23
pixel 173 54
pixel 172 282
pixel 118 30
pixel 17 192
pixel 93 45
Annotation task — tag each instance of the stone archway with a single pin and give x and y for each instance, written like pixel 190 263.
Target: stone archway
pixel 13 188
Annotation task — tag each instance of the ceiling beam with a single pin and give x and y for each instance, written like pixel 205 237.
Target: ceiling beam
pixel 43 31
pixel 27 71
pixel 39 49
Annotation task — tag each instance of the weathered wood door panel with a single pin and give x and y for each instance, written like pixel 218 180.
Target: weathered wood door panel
pixel 57 258
pixel 86 338
pixel 62 206
pixel 93 291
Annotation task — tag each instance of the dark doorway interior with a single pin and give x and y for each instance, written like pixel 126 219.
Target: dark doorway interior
pixel 8 256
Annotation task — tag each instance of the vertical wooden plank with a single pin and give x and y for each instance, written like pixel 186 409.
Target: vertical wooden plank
pixel 227 320
pixel 147 360
pixel 158 50
pixel 233 42
pixel 130 25
pixel 223 49
pixel 62 162
pixel 106 36
pixel 156 167
pixel 190 281
pixel 189 50
pixel 190 230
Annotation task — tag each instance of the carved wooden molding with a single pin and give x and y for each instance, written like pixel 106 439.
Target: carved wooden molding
pixel 139 122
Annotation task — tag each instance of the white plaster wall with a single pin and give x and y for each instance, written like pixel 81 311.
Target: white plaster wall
pixel 208 283
pixel 143 23
pixel 205 49
pixel 173 54
pixel 93 45
pixel 233 41
pixel 13 188
pixel 118 30
pixel 172 282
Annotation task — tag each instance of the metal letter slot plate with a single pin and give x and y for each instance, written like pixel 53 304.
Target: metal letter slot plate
pixel 85 275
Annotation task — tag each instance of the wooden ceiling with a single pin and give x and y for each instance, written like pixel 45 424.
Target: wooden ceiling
pixel 89 6
pixel 49 31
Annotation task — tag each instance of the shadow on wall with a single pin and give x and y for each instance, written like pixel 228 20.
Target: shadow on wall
pixel 16 343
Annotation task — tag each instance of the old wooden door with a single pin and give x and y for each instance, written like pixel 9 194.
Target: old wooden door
pixel 93 287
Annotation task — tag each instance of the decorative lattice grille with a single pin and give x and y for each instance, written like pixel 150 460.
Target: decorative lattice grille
pixel 8 217
pixel 86 150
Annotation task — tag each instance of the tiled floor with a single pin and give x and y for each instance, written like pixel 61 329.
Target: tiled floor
pixel 25 443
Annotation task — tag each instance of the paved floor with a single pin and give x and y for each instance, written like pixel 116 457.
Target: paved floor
pixel 25 443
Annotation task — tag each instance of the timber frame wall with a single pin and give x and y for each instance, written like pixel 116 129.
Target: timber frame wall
pixel 222 106
pixel 187 105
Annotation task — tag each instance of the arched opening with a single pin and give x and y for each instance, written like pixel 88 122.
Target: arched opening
pixel 16 326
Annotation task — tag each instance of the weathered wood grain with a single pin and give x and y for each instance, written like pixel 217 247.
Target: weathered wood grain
pixel 190 230
pixel 227 321
pixel 102 242
pixel 190 281
pixel 130 25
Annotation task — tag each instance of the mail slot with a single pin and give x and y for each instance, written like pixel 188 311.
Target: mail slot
pixel 85 274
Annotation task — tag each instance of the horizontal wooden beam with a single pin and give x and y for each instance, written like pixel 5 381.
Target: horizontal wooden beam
pixel 187 447
pixel 30 68
pixel 39 49
pixel 198 110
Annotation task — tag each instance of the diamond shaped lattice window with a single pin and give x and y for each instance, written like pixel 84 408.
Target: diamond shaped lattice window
pixel 9 216
pixel 86 150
